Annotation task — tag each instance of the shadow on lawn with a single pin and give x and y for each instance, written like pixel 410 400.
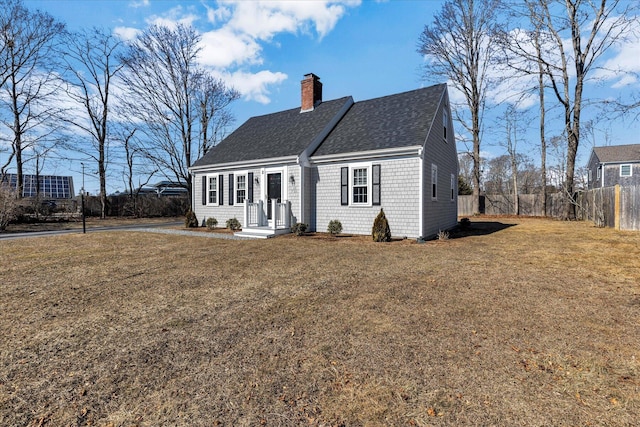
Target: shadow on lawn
pixel 479 228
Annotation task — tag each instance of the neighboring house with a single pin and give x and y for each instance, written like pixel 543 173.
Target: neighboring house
pixel 336 159
pixel 616 164
pixel 165 188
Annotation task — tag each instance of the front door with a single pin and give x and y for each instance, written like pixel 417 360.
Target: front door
pixel 274 190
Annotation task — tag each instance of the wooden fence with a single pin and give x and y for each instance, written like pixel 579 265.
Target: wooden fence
pixel 617 207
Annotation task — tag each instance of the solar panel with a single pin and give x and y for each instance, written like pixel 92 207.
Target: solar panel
pixel 51 186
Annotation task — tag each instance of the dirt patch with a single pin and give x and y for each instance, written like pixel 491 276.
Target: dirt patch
pixel 535 323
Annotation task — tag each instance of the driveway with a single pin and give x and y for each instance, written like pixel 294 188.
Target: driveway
pixel 140 226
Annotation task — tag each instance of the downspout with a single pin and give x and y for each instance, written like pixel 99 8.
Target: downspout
pixel 602 175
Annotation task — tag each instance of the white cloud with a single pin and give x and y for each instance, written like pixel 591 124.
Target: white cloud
pixel 253 86
pixel 126 33
pixel 264 19
pixel 223 49
pixel 235 32
pixel 139 3
pixel 218 15
pixel 173 17
pixel 623 67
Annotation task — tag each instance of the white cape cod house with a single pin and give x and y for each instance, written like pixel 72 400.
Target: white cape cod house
pixel 336 159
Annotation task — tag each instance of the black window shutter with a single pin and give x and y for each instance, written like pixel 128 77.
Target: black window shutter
pixel 204 190
pixel 250 187
pixel 344 186
pixel 221 190
pixel 231 189
pixel 375 185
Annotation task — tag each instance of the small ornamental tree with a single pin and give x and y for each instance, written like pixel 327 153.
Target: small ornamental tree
pixel 381 231
pixel 190 219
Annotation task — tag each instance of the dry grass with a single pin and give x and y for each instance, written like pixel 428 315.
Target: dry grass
pixel 534 324
pixel 90 222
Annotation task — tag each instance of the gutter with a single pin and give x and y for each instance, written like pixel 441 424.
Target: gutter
pixel 414 150
pixel 245 164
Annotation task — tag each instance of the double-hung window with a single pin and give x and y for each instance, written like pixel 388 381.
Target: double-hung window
pixel 213 190
pixel 360 187
pixel 241 188
pixel 625 170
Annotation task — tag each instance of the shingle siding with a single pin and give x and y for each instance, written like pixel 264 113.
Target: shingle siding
pixel 440 214
pixel 225 211
pixel 399 185
pixel 293 192
pixel 612 175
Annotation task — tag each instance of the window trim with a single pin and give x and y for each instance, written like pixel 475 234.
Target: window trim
pixel 216 189
pixel 445 123
pixel 630 170
pixel 434 182
pixel 369 187
pixel 453 187
pixel 243 174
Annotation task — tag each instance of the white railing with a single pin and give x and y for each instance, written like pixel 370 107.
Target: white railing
pixel 255 214
pixel 281 214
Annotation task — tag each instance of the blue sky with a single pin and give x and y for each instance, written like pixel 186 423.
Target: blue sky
pixel 364 49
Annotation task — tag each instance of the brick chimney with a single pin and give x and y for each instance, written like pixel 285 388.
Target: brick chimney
pixel 311 92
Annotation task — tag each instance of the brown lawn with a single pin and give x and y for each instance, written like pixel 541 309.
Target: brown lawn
pixel 537 323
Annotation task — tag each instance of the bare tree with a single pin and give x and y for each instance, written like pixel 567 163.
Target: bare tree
pixel 592 26
pixel 514 125
pixel 92 65
pixel 29 80
pixel 133 151
pixel 460 48
pixel 8 205
pixel 176 102
pixel 214 99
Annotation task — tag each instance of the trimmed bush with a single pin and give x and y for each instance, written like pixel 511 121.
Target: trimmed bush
pixel 211 223
pixel 381 231
pixel 299 228
pixel 190 220
pixel 465 223
pixel 233 224
pixel 335 227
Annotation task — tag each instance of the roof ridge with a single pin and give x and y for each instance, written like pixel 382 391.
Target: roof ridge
pixel 402 93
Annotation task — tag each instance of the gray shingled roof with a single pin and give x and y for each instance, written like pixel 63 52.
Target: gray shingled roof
pixel 393 121
pixel 287 133
pixel 618 153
